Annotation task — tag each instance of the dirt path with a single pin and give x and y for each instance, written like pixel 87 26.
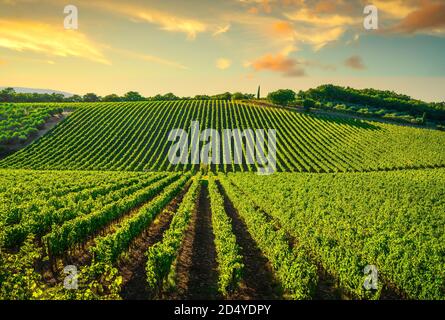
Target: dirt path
pixel 132 267
pixel 258 280
pixel 196 267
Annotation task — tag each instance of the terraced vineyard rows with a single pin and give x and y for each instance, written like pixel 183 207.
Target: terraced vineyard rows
pixel 133 136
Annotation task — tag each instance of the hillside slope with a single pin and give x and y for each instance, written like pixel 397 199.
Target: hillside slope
pixel 134 136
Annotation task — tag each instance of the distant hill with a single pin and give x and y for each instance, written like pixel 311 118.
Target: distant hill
pixel 33 90
pixel 133 137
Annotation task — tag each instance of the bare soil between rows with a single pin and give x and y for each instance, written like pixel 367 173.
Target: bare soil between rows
pixel 80 255
pixel 258 281
pixel 132 266
pixel 196 266
pixel 327 286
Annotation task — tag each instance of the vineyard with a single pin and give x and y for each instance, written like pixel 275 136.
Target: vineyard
pixel 96 204
pixel 133 137
pixel 18 122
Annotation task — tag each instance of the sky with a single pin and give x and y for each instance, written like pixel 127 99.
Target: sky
pixel 212 46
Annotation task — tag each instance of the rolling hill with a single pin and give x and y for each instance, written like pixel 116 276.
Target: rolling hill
pixel 134 137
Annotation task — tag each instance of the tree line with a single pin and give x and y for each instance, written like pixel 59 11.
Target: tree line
pixel 320 97
pixel 376 98
pixel 9 95
pixel 370 99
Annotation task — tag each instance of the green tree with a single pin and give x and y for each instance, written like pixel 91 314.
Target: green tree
pixel 258 96
pixel 223 96
pixel 57 97
pixel 133 96
pixel 74 98
pixel 202 97
pixel 281 97
pixel 7 95
pixel 308 104
pixel 91 97
pixel 170 97
pixel 157 97
pixel 238 96
pixel 112 98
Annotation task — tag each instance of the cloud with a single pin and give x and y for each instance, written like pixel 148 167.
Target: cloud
pixel 264 6
pixel 318 29
pixel 259 5
pixel 287 50
pixel 317 20
pixel 396 9
pixel 253 10
pixel 355 62
pixel 283 28
pixel 429 17
pixel 26 35
pixel 325 7
pixel 223 63
pixel 221 30
pixel 278 63
pixel 165 20
pixel 318 23
pixel 257 31
pixel 319 38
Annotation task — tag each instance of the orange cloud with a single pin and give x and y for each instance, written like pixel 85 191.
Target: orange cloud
pixel 317 20
pixel 223 63
pixel 279 63
pixel 283 28
pixel 266 6
pixel 320 29
pixel 325 7
pixel 253 10
pixel 430 17
pixel 293 2
pixel 26 35
pixel 261 5
pixel 355 62
pixel 396 9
